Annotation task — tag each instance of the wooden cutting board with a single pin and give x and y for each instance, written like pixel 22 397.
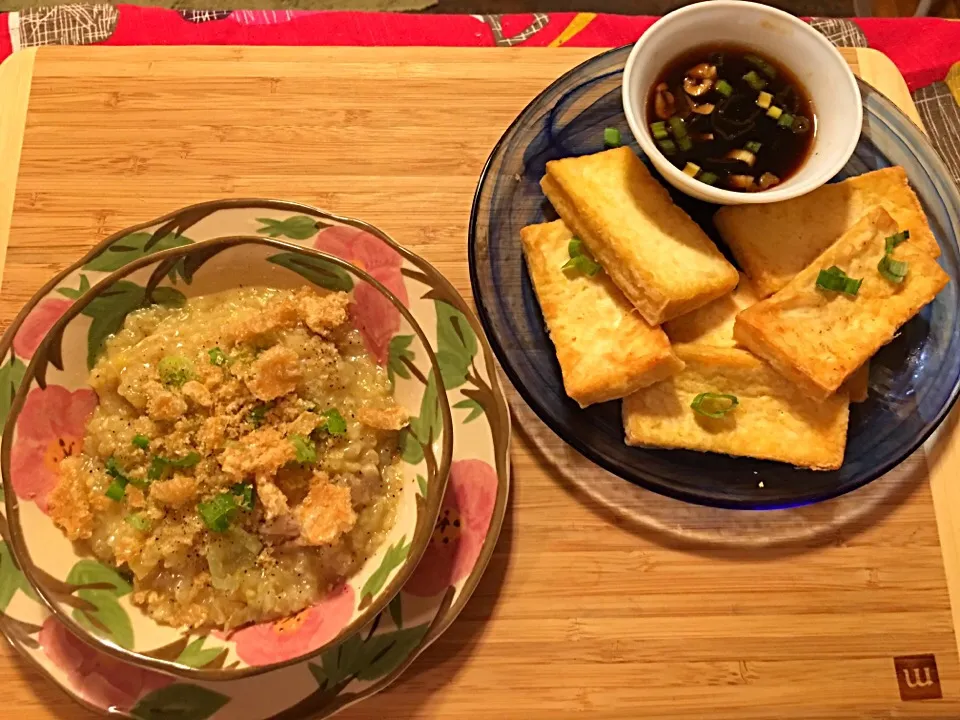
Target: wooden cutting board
pixel 578 615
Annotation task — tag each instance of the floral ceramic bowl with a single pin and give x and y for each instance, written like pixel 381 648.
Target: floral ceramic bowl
pixel 48 414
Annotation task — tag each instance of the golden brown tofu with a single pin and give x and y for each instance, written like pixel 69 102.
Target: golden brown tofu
pixel 817 338
pixel 713 323
pixel 773 420
pixel 775 241
pixel 651 249
pixel 606 350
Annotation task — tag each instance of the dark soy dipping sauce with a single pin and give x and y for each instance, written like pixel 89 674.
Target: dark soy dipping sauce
pixel 711 146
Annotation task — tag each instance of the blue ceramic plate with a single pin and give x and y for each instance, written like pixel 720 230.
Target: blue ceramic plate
pixel 913 381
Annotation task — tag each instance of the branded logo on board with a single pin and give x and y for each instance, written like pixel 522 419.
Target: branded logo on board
pixel 917 677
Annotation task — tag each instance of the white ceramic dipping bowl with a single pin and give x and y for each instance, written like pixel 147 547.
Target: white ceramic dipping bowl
pixel 789 41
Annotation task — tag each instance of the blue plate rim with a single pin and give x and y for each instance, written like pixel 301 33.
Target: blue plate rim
pixel 938 170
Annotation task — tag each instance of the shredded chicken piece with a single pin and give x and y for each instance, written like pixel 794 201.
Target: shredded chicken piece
pixel 272 498
pixel 392 418
pixel 68 504
pixel 322 312
pixel 326 512
pixel 197 394
pixel 276 372
pixel 175 492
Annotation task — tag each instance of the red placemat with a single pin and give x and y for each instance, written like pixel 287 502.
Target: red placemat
pixel 925 50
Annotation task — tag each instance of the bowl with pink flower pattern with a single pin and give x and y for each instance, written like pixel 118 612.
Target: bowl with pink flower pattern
pixel 85 585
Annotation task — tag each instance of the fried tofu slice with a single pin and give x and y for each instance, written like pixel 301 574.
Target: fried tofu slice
pixel 817 339
pixel 606 350
pixel 773 420
pixel 775 241
pixel 713 323
pixel 659 258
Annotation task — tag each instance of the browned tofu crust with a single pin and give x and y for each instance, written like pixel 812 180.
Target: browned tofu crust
pixel 605 349
pixel 774 241
pixel 659 258
pixel 818 339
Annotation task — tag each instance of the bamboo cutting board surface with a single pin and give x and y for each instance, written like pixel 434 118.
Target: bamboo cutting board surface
pixel 579 614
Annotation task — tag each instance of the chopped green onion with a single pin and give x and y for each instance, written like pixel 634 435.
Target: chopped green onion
pixel 691 169
pixel 244 493
pixel 785 120
pixel 774 112
pixel 766 68
pixel 335 424
pixel 582 264
pixel 217 357
pixel 659 130
pixel 685 143
pixel 138 522
pixel 836 280
pixel 667 147
pixel 159 464
pixel 117 489
pixel 893 270
pixel 256 415
pixel 141 441
pixel 305 449
pixel 714 405
pixel 894 240
pixel 800 124
pixel 708 177
pixel 678 127
pixel 218 512
pixel 724 88
pixel 174 370
pixel 752 146
pixel 611 138
pixel 754 80
pixel 580 261
pixel 764 100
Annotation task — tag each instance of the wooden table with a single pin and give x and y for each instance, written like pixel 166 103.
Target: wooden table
pixel 578 615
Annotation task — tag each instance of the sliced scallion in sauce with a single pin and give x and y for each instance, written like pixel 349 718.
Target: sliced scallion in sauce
pixel 755 81
pixel 659 130
pixel 724 88
pixel 836 280
pixel 714 405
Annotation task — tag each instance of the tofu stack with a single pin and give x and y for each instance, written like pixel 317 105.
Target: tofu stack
pixel 763 364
